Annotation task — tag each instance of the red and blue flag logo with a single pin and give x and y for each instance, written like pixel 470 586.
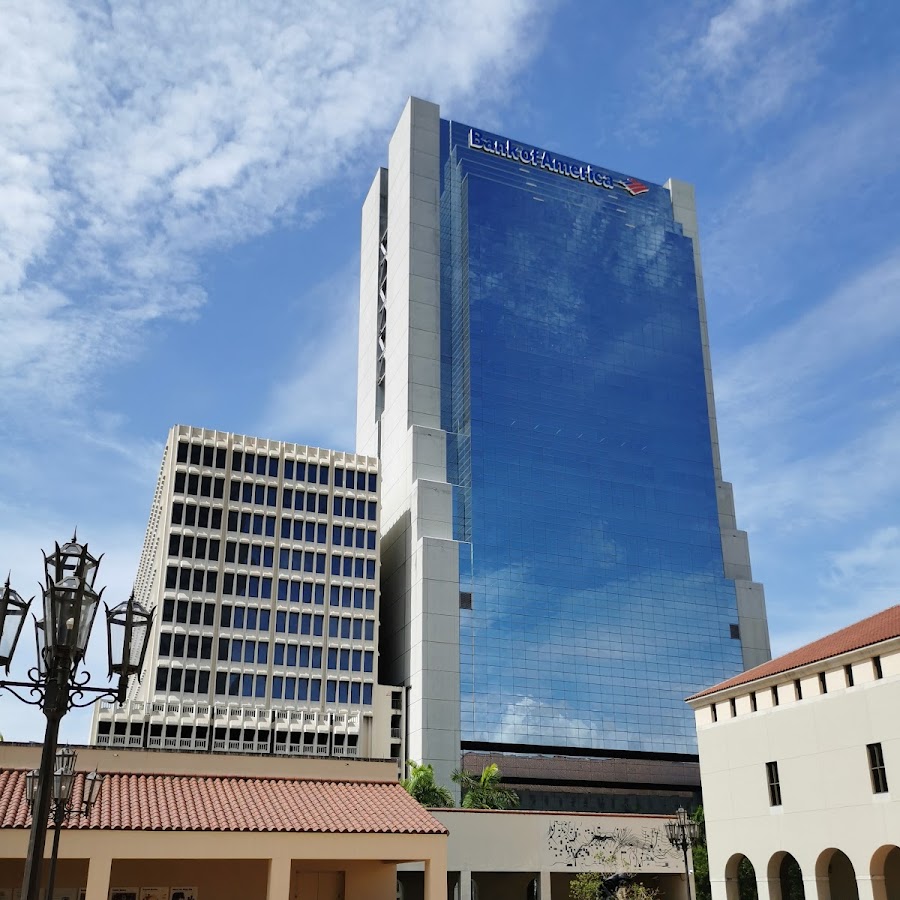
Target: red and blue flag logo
pixel 633 186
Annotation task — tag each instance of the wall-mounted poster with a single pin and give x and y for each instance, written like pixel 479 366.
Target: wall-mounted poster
pixel 184 893
pixel 123 893
pixel 154 893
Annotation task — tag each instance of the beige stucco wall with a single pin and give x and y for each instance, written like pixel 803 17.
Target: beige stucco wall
pixel 231 866
pixel 490 841
pixel 104 759
pixel 819 743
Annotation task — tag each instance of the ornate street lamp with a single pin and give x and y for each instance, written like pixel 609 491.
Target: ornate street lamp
pixel 70 604
pixel 683 833
pixel 64 805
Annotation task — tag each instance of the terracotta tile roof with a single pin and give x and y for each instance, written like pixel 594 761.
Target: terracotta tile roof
pixel 136 802
pixel 881 627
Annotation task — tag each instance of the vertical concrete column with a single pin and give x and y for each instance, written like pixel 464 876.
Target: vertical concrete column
pixel 544 883
pixel 465 885
pixel 279 878
pixel 436 878
pixel 871 887
pixel 99 870
pixel 817 888
pixel 764 892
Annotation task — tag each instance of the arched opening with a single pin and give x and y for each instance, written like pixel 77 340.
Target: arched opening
pixel 785 877
pixel 740 878
pixel 835 873
pixel 885 872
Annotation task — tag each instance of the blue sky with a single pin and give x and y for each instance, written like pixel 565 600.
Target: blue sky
pixel 179 218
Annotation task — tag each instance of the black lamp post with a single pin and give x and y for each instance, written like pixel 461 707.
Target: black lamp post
pixel 683 833
pixel 55 685
pixel 63 800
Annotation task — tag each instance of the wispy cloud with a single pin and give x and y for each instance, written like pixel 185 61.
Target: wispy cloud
pixel 137 137
pixel 314 400
pixel 737 63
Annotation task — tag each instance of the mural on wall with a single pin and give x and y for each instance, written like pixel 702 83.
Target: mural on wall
pixel 573 844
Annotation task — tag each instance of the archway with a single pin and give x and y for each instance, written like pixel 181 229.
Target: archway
pixel 836 876
pixel 885 872
pixel 785 877
pixel 740 878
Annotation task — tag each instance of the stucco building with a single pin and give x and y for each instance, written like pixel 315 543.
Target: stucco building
pixel 800 767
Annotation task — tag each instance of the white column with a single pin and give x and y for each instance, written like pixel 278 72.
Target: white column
pixel 99 869
pixel 544 892
pixel 279 879
pixel 870 888
pixel 435 880
pixel 817 888
pixel 465 885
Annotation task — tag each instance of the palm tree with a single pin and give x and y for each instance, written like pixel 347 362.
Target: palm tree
pixel 422 786
pixel 485 792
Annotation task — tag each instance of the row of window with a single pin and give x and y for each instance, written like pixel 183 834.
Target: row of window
pixel 193 453
pixel 262 464
pixel 877 774
pixel 197 580
pixel 185 613
pixel 200 485
pixel 348 660
pixel 190 646
pixel 353 567
pixel 190 547
pixel 200 516
pixel 798 689
pixel 185 681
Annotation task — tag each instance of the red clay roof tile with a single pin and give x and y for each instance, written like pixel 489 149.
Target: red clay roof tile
pixel 881 627
pixel 133 802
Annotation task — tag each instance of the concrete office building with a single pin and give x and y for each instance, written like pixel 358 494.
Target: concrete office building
pixel 261 563
pixel 561 564
pixel 800 761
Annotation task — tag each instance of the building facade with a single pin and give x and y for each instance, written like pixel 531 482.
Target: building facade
pixel 800 762
pixel 560 558
pixel 261 561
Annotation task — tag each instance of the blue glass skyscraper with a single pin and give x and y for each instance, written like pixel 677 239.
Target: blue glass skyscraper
pixel 560 562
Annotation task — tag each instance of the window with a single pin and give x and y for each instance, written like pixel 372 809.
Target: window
pixel 732 704
pixel 876 767
pixel 753 706
pixel 798 689
pixel 775 700
pixel 774 784
pixel 876 666
pixel 714 712
pixel 848 675
pixel 823 683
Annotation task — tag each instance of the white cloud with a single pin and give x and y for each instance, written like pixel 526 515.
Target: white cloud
pixel 140 136
pixel 775 379
pixel 869 571
pixel 734 28
pixel 739 63
pixel 314 399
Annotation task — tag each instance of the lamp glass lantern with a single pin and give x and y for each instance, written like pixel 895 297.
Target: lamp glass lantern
pixel 128 632
pixel 70 601
pixel 93 781
pixel 31 785
pixel 13 610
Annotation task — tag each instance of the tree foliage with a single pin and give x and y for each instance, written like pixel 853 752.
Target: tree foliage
pixel 613 882
pixel 421 785
pixel 485 791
